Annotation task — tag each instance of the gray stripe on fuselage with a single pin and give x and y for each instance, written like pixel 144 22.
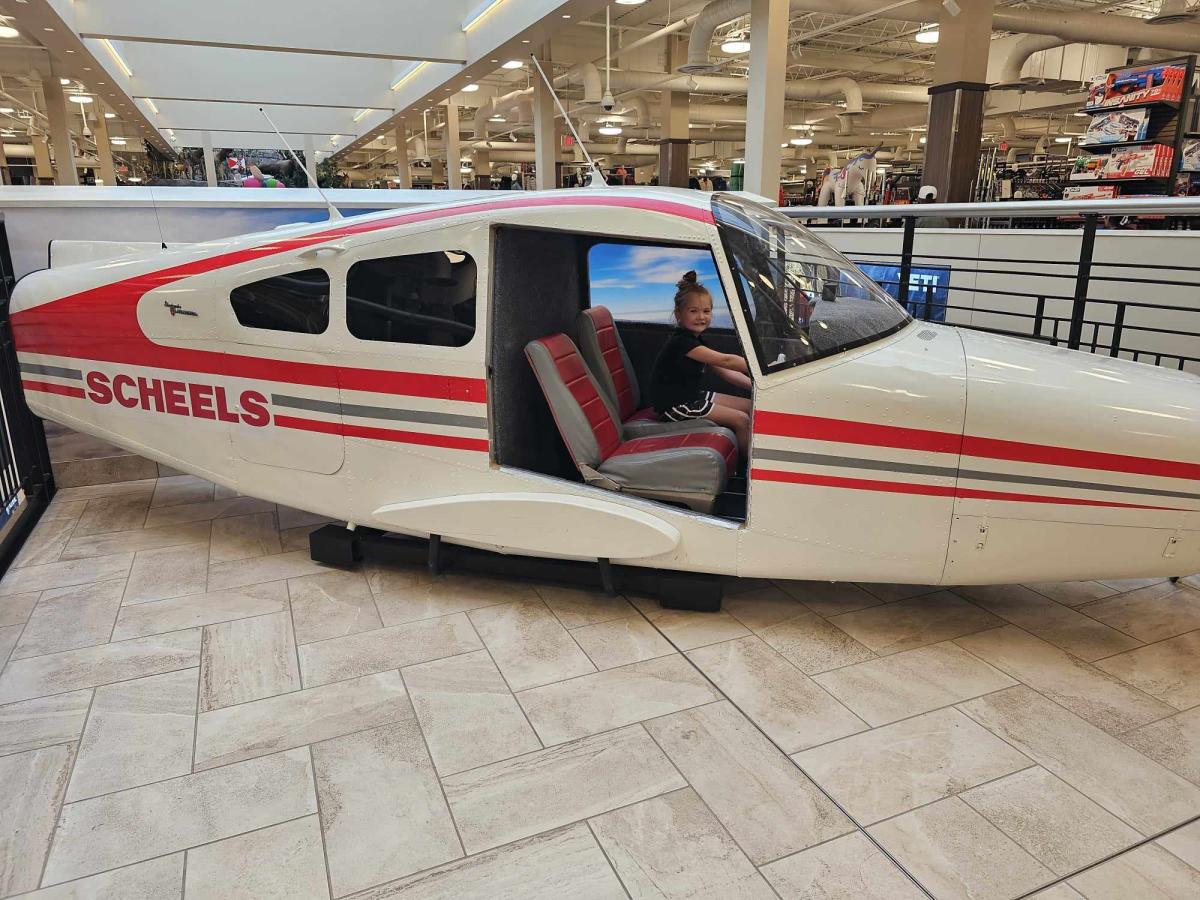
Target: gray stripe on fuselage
pixel 819 459
pixel 425 417
pixel 56 371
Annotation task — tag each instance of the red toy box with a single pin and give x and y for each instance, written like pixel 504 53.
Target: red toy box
pixel 1144 161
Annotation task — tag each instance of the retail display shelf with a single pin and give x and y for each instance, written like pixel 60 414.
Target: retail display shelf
pixel 1135 178
pixel 1107 145
pixel 1092 110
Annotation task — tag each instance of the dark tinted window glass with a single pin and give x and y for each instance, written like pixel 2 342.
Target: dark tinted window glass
pixel 298 301
pixel 422 298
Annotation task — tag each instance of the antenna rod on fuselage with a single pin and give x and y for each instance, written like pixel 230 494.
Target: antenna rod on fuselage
pixel 597 179
pixel 333 210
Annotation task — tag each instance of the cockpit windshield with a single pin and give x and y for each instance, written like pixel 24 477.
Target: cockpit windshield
pixel 802 299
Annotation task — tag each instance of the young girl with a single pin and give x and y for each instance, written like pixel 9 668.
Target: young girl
pixel 675 383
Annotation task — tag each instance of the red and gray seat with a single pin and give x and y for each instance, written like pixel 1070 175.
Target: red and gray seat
pixel 691 468
pixel 602 349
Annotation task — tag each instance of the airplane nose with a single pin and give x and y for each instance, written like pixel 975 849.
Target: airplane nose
pixel 1097 458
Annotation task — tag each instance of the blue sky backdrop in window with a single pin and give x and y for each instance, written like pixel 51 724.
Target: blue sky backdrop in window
pixel 637 282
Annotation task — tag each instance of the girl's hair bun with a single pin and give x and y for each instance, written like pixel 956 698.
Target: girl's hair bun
pixel 688 280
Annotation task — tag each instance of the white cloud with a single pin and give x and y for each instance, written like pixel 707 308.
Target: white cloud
pixel 665 265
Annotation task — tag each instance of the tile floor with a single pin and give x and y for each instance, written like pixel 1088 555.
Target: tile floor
pixel 190 707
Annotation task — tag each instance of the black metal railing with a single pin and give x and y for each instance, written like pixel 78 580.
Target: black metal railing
pixel 1075 303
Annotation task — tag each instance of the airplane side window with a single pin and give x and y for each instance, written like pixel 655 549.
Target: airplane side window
pixel 420 298
pixel 298 302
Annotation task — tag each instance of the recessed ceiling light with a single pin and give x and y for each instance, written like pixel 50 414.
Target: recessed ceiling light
pixel 800 142
pixel 495 60
pixel 70 51
pixel 927 35
pixel 525 40
pixel 737 45
pixel 513 64
pixel 7 31
pixel 609 129
pixel 470 88
pixel 64 81
pixel 47 28
pixel 497 119
pixel 79 98
pixel 119 142
pixel 106 115
pixel 566 15
pixel 630 2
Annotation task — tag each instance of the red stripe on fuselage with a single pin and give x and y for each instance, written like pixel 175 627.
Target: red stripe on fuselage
pixel 449 441
pixel 934 490
pixel 48 387
pixel 101 324
pixel 815 428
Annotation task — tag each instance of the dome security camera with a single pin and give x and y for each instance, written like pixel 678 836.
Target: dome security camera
pixel 606 102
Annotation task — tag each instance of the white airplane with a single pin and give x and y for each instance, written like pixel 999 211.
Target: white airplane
pixel 441 372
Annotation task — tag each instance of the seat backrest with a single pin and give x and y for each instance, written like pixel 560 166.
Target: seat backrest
pixel 601 346
pixel 584 420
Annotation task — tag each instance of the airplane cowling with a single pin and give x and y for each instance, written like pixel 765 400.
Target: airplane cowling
pixel 1074 465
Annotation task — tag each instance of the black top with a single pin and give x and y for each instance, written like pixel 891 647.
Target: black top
pixel 676 377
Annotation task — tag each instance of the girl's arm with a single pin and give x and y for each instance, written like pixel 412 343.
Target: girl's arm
pixel 737 379
pixel 711 357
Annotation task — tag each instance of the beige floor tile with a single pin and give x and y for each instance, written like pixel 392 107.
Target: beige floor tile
pixel 830 598
pixel 382 808
pixel 244 537
pixel 247 659
pixel 1074 632
pixel 814 644
pixel 72 670
pixel 207 511
pixel 167 572
pixel 529 644
pixel 912 623
pixel 895 768
pixel 66 618
pixel 302 717
pixel 117 512
pixel 282 862
pixel 144 822
pixel 592 703
pixel 64 574
pixel 1174 742
pixel 134 541
pixel 241 572
pixel 1147 873
pixel 957 853
pixel 1062 828
pixel 386 648
pixel 469 716
pixel 576 607
pixel 764 607
pixel 332 604
pixel 155 879
pixel 915 681
pixel 88 491
pixel 1073 593
pixel 8 639
pixel 138 731
pixel 1127 784
pixel 32 785
pixel 1132 584
pixel 1185 843
pixel 1060 891
pixel 516 798
pixel 849 868
pixel 294 518
pixel 409 594
pixel 47 541
pixel 31 724
pixel 559 864
pixel 792 709
pixel 621 642
pixel 1103 700
pixel 296 538
pixel 768 805
pixel 200 609
pixel 689 630
pixel 890 593
pixel 15 608
pixel 672 846
pixel 179 489
pixel 1151 614
pixel 1168 670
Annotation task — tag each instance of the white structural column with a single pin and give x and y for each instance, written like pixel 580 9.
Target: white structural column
pixel 545 133
pixel 108 172
pixel 310 159
pixel 402 168
pixel 210 160
pixel 60 134
pixel 764 102
pixel 453 151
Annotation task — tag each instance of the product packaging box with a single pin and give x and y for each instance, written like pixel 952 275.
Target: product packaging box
pixel 1141 85
pixel 1090 192
pixel 1087 168
pixel 1117 126
pixel 1190 161
pixel 1145 161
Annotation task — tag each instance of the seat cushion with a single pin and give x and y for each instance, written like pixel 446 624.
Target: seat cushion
pixel 693 463
pixel 583 418
pixel 646 423
pixel 601 345
pixel 719 439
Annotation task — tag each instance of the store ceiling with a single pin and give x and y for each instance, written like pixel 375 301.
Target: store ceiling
pixel 339 74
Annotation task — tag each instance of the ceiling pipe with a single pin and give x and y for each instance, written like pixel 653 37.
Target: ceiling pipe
pixel 1019 54
pixel 589 74
pixel 850 90
pixel 1174 12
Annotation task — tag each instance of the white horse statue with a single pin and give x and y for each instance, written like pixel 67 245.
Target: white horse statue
pixel 849 183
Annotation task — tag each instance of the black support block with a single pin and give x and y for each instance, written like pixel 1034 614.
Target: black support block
pixel 334 545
